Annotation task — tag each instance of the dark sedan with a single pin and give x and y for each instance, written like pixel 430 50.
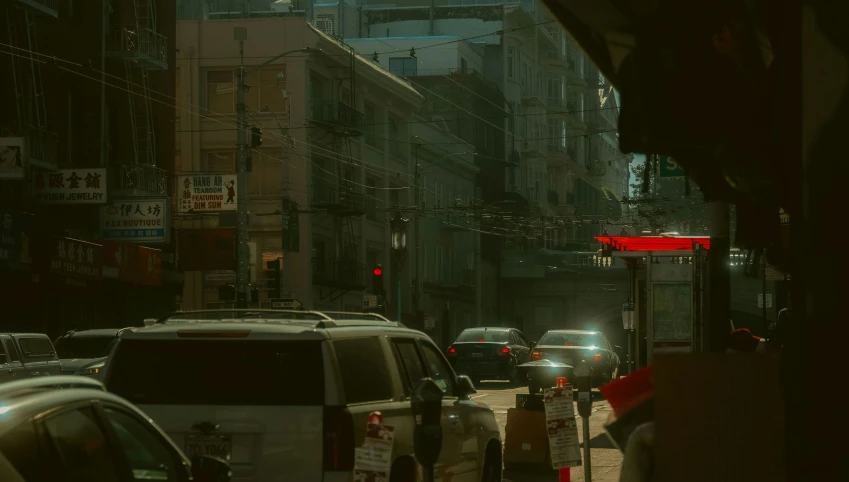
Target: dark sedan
pixel 490 353
pixel 570 347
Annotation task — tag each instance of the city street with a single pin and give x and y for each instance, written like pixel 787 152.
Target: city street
pixel 606 460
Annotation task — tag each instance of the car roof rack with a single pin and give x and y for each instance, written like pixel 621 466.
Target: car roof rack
pixel 316 315
pixel 356 316
pixel 324 322
pixel 52 381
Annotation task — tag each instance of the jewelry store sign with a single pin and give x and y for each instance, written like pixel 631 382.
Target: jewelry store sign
pixel 70 186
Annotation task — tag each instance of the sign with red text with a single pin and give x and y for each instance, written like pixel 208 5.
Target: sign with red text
pixel 70 186
pixel 135 220
pixel 562 428
pixel 204 193
pixel 133 263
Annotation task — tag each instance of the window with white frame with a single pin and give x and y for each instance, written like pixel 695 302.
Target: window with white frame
pixel 265 90
pixel 220 92
pixel 220 161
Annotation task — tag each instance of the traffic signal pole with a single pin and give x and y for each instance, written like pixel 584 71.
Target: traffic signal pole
pixel 243 272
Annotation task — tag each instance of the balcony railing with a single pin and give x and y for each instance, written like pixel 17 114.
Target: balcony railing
pixel 49 7
pixel 138 179
pixel 44 147
pixel 338 198
pixel 339 115
pixel 342 273
pixel 140 44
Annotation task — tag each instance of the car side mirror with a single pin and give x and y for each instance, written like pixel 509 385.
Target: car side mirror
pixel 533 344
pixel 465 386
pixel 210 469
pixel 617 349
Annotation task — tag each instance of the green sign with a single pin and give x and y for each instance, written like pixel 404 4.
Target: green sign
pixel 670 168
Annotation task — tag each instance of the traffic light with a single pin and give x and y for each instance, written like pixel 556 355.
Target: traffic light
pixel 377 280
pixel 273 267
pixel 227 293
pixel 256 137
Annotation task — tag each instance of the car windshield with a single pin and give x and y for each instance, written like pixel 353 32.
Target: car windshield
pixel 570 339
pixel 84 346
pixel 491 336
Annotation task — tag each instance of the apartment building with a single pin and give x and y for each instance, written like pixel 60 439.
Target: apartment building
pixel 336 143
pixel 87 90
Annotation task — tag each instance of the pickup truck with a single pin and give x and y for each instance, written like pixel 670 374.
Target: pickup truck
pixel 27 355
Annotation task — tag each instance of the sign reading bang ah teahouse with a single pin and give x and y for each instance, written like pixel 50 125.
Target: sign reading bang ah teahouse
pixel 206 193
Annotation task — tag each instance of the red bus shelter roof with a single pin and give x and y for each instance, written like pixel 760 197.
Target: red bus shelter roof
pixel 655 243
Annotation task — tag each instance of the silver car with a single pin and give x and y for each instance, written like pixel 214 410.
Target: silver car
pixel 81 432
pixel 84 352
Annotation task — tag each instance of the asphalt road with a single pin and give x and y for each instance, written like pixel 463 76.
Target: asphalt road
pixel 606 460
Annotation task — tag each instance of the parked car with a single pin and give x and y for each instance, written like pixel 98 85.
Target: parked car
pixel 84 352
pixel 290 399
pixel 92 435
pixel 570 347
pixel 490 353
pixel 26 355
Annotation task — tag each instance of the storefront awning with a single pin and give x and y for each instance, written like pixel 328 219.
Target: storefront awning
pixel 655 243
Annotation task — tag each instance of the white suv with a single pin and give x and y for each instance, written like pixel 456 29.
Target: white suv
pixel 286 395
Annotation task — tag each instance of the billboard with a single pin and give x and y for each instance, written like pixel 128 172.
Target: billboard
pixel 203 193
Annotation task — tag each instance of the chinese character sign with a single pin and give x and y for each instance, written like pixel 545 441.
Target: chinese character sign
pixel 206 193
pixel 75 258
pixel 70 186
pixel 136 220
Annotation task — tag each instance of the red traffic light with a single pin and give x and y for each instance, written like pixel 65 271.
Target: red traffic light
pixel 378 271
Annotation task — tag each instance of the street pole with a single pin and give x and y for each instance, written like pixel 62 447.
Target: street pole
pixel 398 291
pixel 243 272
pixel 719 283
pixel 766 325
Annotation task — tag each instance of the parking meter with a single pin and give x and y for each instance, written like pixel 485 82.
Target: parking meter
pixel 583 379
pixel 427 438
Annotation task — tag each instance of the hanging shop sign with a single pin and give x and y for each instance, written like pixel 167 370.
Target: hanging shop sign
pixel 75 258
pixel 70 186
pixel 132 263
pixel 13 162
pixel 203 193
pixel 14 240
pixel 219 275
pixel 135 220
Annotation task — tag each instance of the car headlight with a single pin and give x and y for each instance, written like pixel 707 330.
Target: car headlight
pixel 95 369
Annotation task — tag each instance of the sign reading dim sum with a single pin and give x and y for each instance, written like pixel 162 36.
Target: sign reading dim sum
pixel 206 193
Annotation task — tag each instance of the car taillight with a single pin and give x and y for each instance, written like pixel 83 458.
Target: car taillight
pixel 338 434
pixel 535 355
pixel 597 357
pixel 452 350
pixel 504 351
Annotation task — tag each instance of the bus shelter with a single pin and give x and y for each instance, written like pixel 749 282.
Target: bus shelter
pixel 667 296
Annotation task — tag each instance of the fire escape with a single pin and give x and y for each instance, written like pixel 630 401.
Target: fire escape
pixel 141 50
pixel 337 194
pixel 21 18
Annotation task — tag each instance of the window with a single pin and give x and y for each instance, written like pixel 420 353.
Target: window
pixel 81 446
pixel 481 335
pixel 265 89
pixel 266 178
pixel 362 365
pixel 511 56
pixel 221 162
pixel 36 347
pixel 148 455
pixel 84 346
pixel 438 368
pixel 370 127
pixel 464 66
pixel 21 448
pixel 12 351
pixel 409 363
pixel 220 92
pixel 403 66
pixel 371 199
pixel 219 372
pixel 395 140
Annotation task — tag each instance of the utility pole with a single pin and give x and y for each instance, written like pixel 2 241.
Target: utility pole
pixel 719 283
pixel 243 269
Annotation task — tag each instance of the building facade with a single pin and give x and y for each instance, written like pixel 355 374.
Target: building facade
pixel 88 128
pixel 336 143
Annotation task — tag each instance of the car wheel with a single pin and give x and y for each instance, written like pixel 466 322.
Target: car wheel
pixel 492 463
pixel 512 373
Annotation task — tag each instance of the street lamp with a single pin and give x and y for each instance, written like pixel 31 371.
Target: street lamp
pixel 398 229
